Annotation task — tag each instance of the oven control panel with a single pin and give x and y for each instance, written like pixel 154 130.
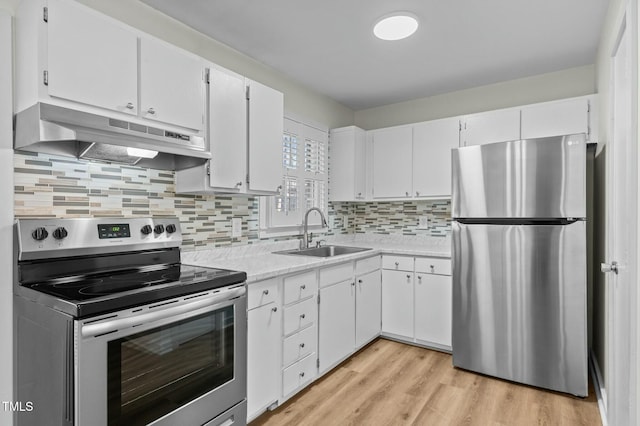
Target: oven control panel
pixel 43 238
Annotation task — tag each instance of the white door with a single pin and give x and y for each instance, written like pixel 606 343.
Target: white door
pixel 397 302
pixel 433 308
pixel 172 88
pixel 622 201
pixel 263 367
pixel 432 145
pixel 368 307
pixel 227 130
pixel 100 67
pixel 392 151
pixel 493 126
pixel 336 330
pixel 266 115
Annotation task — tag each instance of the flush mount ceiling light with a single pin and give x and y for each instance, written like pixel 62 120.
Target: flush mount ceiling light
pixel 395 26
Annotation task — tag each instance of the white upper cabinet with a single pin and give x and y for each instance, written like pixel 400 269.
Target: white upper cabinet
pixel 92 60
pixel 347 164
pixel 171 85
pixel 392 160
pixel 227 130
pixel 563 117
pixel 488 127
pixel 432 145
pixel 266 115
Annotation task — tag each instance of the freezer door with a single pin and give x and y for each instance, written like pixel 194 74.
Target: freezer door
pixel 520 303
pixel 544 178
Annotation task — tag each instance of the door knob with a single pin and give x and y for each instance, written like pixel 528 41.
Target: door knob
pixel 609 267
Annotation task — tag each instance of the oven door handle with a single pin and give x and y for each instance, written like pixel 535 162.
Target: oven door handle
pixel 162 310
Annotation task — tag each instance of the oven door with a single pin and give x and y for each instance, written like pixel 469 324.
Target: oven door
pixel 179 361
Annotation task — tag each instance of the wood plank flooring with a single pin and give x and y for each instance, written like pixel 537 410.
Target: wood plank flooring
pixel 390 383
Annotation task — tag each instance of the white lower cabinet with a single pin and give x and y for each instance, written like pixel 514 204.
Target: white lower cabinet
pixel 368 306
pixel 416 301
pixel 263 349
pixel 336 339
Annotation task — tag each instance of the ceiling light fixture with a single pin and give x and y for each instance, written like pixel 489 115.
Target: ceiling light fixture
pixel 395 26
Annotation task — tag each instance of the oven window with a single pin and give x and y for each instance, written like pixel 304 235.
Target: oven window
pixel 155 372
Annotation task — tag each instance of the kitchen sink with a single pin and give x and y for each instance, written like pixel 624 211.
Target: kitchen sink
pixel 324 251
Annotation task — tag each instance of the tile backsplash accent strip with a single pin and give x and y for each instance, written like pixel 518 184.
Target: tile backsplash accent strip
pixel 52 186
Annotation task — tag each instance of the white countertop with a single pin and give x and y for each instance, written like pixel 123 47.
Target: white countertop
pixel 260 263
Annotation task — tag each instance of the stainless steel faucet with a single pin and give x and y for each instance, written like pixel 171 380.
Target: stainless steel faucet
pixel 305 240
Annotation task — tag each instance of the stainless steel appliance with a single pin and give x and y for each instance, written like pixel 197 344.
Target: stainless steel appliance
pixel 520 261
pixel 111 329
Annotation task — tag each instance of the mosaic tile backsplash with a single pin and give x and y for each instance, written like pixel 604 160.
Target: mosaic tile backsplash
pixel 52 186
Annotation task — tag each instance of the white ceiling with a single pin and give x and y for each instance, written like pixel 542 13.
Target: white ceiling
pixel 328 45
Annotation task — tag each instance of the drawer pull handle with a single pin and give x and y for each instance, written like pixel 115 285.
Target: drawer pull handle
pixel 265 292
pixel 274 309
pixel 302 316
pixel 302 374
pixel 302 345
pixel 303 286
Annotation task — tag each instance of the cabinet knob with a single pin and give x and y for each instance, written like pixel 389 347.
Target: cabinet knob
pixel 419 278
pixel 406 193
pixel 397 264
pixel 129 105
pixel 151 111
pixel 417 193
pixel 303 286
pixel 239 184
pixel 265 292
pixel 360 281
pixel 302 316
pixel 431 267
pixel 302 345
pixel 408 276
pixel 302 374
pixel 353 283
pixel 274 309
pixel 279 189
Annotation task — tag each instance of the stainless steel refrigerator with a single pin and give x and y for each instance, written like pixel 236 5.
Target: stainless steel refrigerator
pixel 520 261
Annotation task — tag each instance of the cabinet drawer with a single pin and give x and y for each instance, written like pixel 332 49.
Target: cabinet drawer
pixel 300 315
pixel 397 263
pixel 336 274
pixel 299 345
pixel 299 287
pixel 367 265
pixel 433 265
pixel 262 293
pixel 299 374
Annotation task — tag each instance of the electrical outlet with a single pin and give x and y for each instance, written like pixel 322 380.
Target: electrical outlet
pixel 423 222
pixel 236 227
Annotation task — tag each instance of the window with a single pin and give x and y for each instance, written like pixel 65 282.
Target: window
pixel 304 181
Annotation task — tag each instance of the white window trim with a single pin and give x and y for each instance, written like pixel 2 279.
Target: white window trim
pixel 266 231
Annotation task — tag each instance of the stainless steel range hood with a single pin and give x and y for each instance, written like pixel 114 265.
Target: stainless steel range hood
pixel 58 130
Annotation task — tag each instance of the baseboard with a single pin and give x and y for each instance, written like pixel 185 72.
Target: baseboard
pixel 598 385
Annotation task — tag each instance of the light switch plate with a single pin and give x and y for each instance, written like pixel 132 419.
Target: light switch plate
pixel 236 227
pixel 423 222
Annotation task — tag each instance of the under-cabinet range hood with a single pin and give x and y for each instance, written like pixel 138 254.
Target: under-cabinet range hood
pixel 63 131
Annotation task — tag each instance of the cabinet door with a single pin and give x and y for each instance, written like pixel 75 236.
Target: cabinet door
pixel 98 67
pixel 347 164
pixel 172 85
pixel 368 307
pixel 336 330
pixel 555 118
pixel 492 126
pixel 266 115
pixel 392 151
pixel 397 302
pixel 432 145
pixel 263 364
pixel 227 130
pixel 433 308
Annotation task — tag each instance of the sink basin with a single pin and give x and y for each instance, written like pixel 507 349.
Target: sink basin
pixel 325 251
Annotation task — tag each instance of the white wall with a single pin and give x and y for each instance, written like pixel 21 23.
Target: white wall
pixel 6 214
pixel 540 88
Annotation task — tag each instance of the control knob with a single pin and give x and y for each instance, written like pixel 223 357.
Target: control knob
pixel 60 233
pixel 146 230
pixel 39 234
pixel 159 229
pixel 171 228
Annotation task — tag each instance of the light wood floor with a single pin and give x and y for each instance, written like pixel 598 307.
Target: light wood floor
pixel 389 383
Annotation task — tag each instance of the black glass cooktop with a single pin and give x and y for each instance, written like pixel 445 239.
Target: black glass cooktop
pixel 92 294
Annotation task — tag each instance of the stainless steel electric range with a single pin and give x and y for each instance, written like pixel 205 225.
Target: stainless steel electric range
pixel 111 329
